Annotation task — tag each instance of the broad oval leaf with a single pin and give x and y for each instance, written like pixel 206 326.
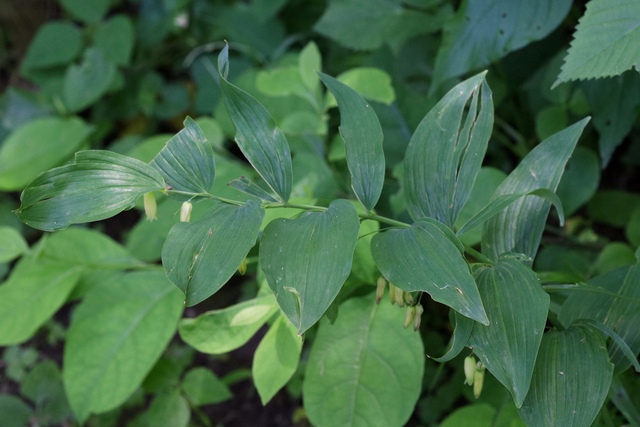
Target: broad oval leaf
pixel 257 135
pixel 98 185
pixel 307 260
pixel 221 331
pixel 519 227
pixel 200 257
pixel 115 39
pixel 55 43
pixel 362 135
pixel 570 381
pixel 517 309
pixel 39 145
pixel 204 388
pixel 365 369
pixel 186 163
pixel 116 335
pixel 85 83
pixel 169 409
pixel 424 258
pixel 31 296
pixel 446 151
pixel 276 358
pixel 12 244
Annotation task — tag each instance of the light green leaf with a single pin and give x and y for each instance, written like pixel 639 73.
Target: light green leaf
pixel 98 185
pixel 31 296
pixel 606 42
pixel 262 143
pixel 116 335
pixel 281 82
pixel 115 39
pixel 221 331
pixel 309 64
pixel 169 409
pixel 445 153
pixel 570 381
pixel 372 83
pixel 204 388
pixel 307 260
pixel 423 258
pixel 37 146
pixel 89 11
pixel 186 163
pixel 12 244
pixel 517 309
pixel 362 134
pixel 55 43
pixel 483 415
pixel 482 32
pixel 580 180
pixel 276 358
pixel 366 369
pixel 200 257
pixel 84 84
pixel 364 267
pixel 519 227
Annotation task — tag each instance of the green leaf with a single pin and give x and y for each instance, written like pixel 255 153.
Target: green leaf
pixel 445 153
pixel 282 81
pixel 37 146
pixel 43 386
pixel 366 369
pixel 517 309
pixel 12 244
pixel 55 43
pixel 483 415
pixel 309 64
pixel 262 143
pixel 31 296
pixel 372 83
pixel 84 84
pixel 204 388
pixel 362 134
pixel 461 333
pixel 116 335
pixel 15 413
pixel 245 185
pixel 570 381
pixel 613 207
pixel 89 11
pixel 115 39
pixel 186 163
pixel 519 227
pixel 632 230
pixel 98 185
pixel 482 32
pixel 276 358
pixel 613 103
pixel 307 260
pixel 622 346
pixel 606 42
pixel 580 180
pixel 614 255
pixel 221 331
pixel 501 202
pixel 423 258
pixel 200 257
pixel 169 409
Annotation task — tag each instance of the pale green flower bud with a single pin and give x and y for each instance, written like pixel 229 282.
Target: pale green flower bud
pixel 408 298
pixel 380 286
pixel 150 206
pixel 478 380
pixel 400 297
pixel 418 317
pixel 185 212
pixel 409 315
pixel 392 293
pixel 243 267
pixel 469 369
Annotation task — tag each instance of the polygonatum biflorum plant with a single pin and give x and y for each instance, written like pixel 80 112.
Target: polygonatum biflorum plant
pixel 364 368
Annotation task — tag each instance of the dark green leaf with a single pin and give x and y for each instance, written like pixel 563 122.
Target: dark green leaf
pixel 461 333
pixel 264 145
pixel 570 381
pixel 307 260
pixel 622 346
pixel 482 32
pixel 98 185
pixel 366 369
pixel 115 39
pixel 186 163
pixel 613 207
pixel 31 296
pixel 37 146
pixel 606 41
pixel 245 185
pixel 200 257
pixel 221 331
pixel 517 309
pixel 519 227
pixel 15 412
pixel 580 180
pixel 276 358
pixel 89 11
pixel 116 335
pixel 204 388
pixel 423 258
pixel 55 43
pixel 84 84
pixel 446 151
pixel 362 135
